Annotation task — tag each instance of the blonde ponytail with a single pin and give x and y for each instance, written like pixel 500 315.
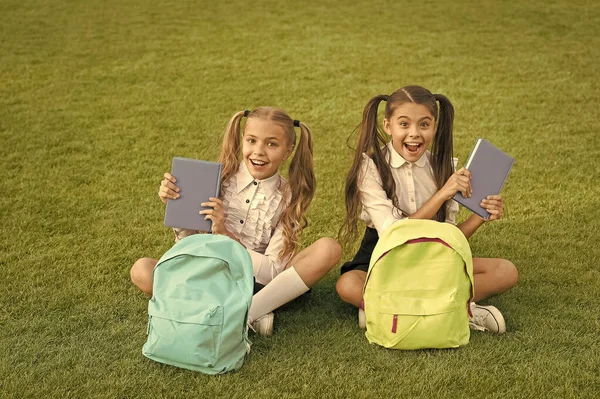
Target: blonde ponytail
pixel 231 149
pixel 302 184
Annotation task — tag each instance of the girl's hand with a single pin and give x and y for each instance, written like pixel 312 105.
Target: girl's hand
pixel 168 189
pixel 216 215
pixel 460 181
pixel 494 205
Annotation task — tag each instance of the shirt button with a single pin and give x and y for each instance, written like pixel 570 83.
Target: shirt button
pixel 241 221
pixel 256 183
pixel 247 201
pixel 409 173
pixel 412 200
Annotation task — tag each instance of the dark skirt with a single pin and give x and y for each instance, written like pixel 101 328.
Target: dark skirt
pixel 363 256
pixel 257 286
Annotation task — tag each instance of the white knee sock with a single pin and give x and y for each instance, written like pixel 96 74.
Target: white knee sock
pixel 282 289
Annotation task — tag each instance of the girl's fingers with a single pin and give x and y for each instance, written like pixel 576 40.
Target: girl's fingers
pixel 464 172
pixel 210 216
pixel 167 183
pixel 495 214
pixel 464 187
pixel 169 177
pixel 491 204
pixel 464 181
pixel 166 192
pixel 213 203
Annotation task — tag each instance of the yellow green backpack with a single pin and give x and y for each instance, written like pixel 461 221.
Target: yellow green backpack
pixel 418 287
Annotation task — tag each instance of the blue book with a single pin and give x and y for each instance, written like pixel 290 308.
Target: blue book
pixel 489 167
pixel 197 182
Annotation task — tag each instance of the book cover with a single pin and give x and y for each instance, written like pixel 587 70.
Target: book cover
pixel 489 167
pixel 197 181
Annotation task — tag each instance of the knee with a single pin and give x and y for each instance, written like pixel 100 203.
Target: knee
pixel 508 273
pixel 511 273
pixel 350 287
pixel 343 288
pixel 137 272
pixel 330 249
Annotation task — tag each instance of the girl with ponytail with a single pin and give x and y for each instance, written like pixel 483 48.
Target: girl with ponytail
pixel 405 169
pixel 262 210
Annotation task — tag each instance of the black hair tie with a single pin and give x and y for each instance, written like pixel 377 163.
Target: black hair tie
pixel 385 97
pixel 246 113
pixel 296 123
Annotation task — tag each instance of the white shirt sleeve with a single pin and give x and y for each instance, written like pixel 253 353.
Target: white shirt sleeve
pixel 375 202
pixel 268 265
pixel 451 212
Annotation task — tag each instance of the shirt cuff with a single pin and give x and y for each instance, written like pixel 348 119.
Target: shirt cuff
pixel 263 271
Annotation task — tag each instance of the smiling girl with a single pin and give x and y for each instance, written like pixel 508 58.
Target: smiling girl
pixel 395 176
pixel 262 210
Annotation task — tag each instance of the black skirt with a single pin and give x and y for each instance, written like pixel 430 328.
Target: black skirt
pixel 363 256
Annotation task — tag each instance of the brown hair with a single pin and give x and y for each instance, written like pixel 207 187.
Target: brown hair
pixel 301 178
pixel 372 141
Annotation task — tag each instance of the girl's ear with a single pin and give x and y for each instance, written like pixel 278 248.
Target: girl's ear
pixel 289 152
pixel 386 126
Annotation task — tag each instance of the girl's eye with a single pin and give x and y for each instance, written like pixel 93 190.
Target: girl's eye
pixel 272 144
pixel 424 125
pixel 251 141
pixel 403 124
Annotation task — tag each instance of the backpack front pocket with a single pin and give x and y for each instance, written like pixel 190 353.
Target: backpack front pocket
pixel 415 322
pixel 186 337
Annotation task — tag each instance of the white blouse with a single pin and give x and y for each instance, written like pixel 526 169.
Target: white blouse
pixel 253 209
pixel 415 184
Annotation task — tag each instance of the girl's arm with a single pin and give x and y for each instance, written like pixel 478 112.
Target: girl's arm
pixel 469 226
pixel 373 198
pixel 430 208
pixel 494 204
pixel 459 181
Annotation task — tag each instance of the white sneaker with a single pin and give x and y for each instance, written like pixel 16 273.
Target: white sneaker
pixel 263 325
pixel 362 320
pixel 487 318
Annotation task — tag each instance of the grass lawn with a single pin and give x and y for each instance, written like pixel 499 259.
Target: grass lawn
pixel 97 97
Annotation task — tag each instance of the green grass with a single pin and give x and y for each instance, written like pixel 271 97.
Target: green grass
pixel 97 97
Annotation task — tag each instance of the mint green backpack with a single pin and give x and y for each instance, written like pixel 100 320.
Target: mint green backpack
pixel 418 289
pixel 202 290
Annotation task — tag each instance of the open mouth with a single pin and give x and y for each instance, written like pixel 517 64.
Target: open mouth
pixel 413 148
pixel 257 162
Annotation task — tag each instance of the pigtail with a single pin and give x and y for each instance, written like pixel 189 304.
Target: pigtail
pixel 232 144
pixel 372 142
pixel 302 183
pixel 442 149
